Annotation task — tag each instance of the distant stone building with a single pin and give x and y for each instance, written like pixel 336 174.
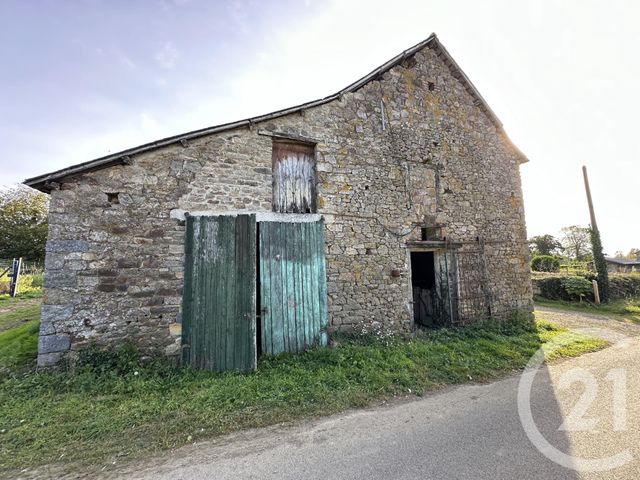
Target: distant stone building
pixel 393 204
pixel 622 265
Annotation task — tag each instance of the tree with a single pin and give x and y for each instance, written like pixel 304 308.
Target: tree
pixel 544 245
pixel 23 223
pixel 634 254
pixel 576 241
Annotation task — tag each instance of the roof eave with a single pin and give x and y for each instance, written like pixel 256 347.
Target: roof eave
pixel 622 261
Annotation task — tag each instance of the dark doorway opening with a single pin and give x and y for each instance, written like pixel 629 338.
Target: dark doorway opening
pixel 423 284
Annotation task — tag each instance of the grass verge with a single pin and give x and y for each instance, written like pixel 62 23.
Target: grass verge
pixel 102 414
pixel 628 309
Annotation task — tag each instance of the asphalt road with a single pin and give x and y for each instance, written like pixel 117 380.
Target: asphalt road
pixel 468 432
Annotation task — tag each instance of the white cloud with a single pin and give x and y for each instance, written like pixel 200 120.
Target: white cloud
pixel 238 14
pixel 125 61
pixel 160 81
pixel 150 126
pixel 167 56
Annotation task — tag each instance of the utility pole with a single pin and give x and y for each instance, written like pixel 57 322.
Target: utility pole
pixel 601 288
pixel 594 225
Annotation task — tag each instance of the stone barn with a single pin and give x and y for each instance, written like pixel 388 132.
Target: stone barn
pixel 391 205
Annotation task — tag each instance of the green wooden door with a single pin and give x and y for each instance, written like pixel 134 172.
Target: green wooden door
pixel 293 289
pixel 219 318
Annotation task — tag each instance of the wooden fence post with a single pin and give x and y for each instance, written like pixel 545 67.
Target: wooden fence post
pixel 15 277
pixel 596 291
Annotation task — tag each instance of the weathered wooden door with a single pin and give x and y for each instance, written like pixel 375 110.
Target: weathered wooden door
pixel 219 317
pixel 293 290
pixel 294 178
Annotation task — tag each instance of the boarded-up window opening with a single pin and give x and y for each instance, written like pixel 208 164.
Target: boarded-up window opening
pixel 294 177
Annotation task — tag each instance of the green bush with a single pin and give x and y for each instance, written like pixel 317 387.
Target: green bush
pixel 588 274
pixel 577 287
pixel 554 286
pixel 565 288
pixel 551 288
pixel 545 263
pixel 25 285
pixel 624 285
pixel 37 280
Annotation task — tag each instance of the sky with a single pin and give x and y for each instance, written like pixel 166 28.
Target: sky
pixel 81 79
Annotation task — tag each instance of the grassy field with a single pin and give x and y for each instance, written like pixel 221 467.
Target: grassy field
pixel 628 309
pixel 115 407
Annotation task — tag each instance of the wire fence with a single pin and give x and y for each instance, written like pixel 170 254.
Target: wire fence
pixel 28 278
pixel 28 268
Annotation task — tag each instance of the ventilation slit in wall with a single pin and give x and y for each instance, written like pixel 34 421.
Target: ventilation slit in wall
pixel 113 198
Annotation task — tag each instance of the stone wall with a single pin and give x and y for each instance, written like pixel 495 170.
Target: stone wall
pixel 407 147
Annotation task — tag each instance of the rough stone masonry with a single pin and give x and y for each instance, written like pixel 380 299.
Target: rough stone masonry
pixel 411 146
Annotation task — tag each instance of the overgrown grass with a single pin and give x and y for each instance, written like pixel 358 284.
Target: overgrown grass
pixel 28 283
pixel 18 348
pixel 628 308
pixel 18 337
pixel 129 408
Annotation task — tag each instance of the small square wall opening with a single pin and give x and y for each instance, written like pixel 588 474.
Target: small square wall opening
pixel 113 198
pixel 430 233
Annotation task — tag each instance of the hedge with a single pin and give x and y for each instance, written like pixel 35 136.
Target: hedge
pixel 624 285
pixel 563 288
pixel 558 287
pixel 545 263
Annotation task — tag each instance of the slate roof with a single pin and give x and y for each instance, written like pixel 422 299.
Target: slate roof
pixel 622 261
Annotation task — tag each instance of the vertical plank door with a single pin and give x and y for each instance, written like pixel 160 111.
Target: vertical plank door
pixel 219 318
pixel 294 177
pixel 293 288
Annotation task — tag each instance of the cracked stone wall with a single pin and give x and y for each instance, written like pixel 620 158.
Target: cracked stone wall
pixel 407 147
